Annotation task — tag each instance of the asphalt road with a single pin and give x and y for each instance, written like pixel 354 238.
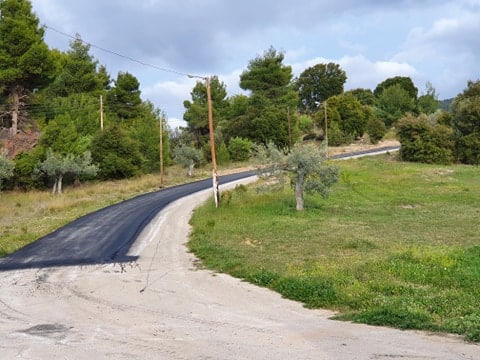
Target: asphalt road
pixel 105 235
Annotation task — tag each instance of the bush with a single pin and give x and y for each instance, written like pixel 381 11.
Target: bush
pixel 117 155
pixel 223 157
pixel 336 137
pixel 305 123
pixel 6 168
pixel 239 149
pixel 376 129
pixel 468 149
pixel 423 142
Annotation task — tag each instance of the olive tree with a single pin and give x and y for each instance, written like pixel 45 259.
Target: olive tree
pixel 188 157
pixel 305 166
pixel 56 167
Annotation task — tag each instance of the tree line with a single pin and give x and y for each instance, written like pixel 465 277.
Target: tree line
pixel 63 96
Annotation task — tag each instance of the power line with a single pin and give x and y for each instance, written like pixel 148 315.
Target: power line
pixel 118 54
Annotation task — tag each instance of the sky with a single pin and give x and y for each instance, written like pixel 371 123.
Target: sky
pixel 161 41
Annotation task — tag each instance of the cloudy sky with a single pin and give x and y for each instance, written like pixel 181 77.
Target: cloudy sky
pixel 428 40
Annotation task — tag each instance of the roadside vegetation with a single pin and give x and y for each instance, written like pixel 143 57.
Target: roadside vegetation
pixel 395 244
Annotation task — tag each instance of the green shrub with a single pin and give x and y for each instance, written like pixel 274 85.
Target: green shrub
pixel 423 142
pixel 239 149
pixel 305 123
pixel 376 129
pixel 336 137
pixel 468 149
pixel 223 157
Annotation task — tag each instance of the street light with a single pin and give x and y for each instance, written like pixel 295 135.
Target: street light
pixel 216 193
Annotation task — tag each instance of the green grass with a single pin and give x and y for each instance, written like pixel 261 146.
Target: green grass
pixel 395 244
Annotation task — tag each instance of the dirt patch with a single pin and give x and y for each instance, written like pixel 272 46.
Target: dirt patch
pixel 21 142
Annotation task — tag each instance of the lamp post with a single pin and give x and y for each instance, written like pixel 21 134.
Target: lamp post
pixel 216 193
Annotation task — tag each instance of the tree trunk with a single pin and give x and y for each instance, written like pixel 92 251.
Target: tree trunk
pixel 15 110
pixel 59 187
pixel 299 190
pixel 190 170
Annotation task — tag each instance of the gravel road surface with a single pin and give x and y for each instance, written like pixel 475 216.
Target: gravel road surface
pixel 159 306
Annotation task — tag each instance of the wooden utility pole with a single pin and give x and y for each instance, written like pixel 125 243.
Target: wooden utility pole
pixel 101 112
pixel 161 152
pixel 289 128
pixel 216 193
pixel 326 128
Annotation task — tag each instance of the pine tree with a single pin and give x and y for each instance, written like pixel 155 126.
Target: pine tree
pixel 25 61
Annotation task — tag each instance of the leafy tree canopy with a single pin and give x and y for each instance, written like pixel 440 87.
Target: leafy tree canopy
pixel 393 103
pixel 404 82
pixel 196 113
pixel 466 122
pixel 267 75
pixel 77 72
pixel 305 165
pixel 25 61
pixel 124 98
pixel 317 83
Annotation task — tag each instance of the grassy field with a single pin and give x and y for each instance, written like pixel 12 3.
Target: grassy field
pixel 395 244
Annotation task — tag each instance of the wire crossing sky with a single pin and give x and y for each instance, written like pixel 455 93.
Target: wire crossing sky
pixel 432 41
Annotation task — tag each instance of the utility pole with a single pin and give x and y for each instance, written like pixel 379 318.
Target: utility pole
pixel 161 152
pixel 289 128
pixel 216 193
pixel 101 112
pixel 326 128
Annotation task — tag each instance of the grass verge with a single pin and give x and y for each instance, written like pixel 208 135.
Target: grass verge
pixel 396 244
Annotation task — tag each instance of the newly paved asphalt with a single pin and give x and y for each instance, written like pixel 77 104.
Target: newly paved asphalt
pixel 106 235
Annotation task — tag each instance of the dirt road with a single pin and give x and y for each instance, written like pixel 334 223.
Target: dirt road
pixel 161 307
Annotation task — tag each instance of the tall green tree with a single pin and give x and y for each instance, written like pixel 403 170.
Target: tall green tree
pixel 124 99
pixel 404 82
pixel 25 61
pixel 466 123
pixel 77 72
pixel 317 83
pixel 393 103
pixel 117 155
pixel 145 131
pixel 365 96
pixel 196 109
pixel 428 103
pixel 270 113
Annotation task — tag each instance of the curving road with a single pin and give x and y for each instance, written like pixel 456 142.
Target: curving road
pixel 105 235
pixel 147 300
